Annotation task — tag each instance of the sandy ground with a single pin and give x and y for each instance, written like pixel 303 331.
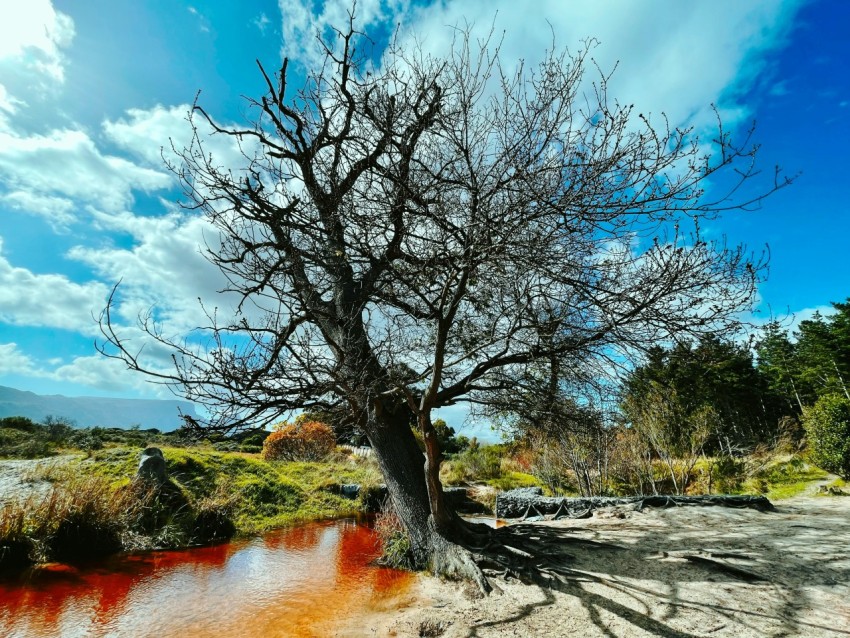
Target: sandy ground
pixel 645 587
pixel 20 479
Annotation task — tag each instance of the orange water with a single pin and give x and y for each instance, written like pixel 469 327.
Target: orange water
pixel 298 582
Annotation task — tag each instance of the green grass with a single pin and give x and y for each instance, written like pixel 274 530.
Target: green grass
pixel 511 480
pixel 210 496
pixel 784 478
pixel 260 495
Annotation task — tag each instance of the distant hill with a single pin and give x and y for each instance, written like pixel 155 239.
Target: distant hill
pixel 95 411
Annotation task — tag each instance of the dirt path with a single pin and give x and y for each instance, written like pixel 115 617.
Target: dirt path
pixel 647 587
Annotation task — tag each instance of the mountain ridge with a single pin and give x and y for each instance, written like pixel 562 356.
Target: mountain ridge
pixel 163 414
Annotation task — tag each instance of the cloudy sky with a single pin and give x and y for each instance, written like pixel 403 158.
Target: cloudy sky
pixel 90 91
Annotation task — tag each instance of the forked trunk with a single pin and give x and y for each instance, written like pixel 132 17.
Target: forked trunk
pixel 436 541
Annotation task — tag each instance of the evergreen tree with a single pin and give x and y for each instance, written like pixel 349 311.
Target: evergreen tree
pixel 711 377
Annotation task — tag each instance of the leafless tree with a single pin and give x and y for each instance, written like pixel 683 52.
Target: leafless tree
pixel 416 234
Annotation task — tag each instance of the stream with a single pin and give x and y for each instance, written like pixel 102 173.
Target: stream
pixel 295 582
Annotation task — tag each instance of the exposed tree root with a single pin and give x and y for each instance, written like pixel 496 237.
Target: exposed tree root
pixel 527 553
pixel 456 562
pixel 536 554
pixel 715 561
pixel 530 504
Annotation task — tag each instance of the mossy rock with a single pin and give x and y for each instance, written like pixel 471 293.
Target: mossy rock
pixel 265 490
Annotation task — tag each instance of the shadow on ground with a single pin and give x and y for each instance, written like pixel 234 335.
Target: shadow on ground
pixel 684 572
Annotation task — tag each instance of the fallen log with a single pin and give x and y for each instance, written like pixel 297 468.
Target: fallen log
pixel 524 502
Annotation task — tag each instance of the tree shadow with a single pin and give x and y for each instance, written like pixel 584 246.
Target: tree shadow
pixel 608 580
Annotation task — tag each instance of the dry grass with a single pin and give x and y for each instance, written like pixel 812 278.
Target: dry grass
pixel 78 519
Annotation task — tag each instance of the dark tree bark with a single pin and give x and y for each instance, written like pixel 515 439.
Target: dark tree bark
pixel 426 231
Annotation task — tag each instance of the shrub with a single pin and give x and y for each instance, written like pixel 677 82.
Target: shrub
pixel 21 423
pixel 87 440
pixel 299 441
pixel 89 518
pixel 476 463
pixel 726 474
pixel 59 429
pixel 82 519
pixel 17 440
pixel 827 426
pixel 251 449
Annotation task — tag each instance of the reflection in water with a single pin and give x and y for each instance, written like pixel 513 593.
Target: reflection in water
pixel 296 582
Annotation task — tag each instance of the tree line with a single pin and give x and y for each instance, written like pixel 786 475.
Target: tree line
pixel 724 397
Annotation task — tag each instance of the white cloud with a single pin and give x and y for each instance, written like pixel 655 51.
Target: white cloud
pixel 58 211
pixel 51 300
pixel 302 23
pixel 149 134
pixel 165 267
pixel 95 371
pixel 788 320
pixel 33 35
pixel 673 57
pixel 13 361
pixel 262 23
pixel 805 314
pixel 106 374
pixel 68 163
pixel 9 103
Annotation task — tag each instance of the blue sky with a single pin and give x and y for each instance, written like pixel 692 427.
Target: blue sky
pixel 90 91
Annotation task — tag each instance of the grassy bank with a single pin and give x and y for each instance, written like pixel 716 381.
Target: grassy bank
pixel 95 507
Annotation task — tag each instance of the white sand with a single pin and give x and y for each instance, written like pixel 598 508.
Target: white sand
pixel 801 551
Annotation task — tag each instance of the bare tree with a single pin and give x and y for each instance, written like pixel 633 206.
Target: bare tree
pixel 417 234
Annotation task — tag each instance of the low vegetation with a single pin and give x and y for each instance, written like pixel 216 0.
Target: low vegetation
pixel 303 439
pixel 499 466
pixel 97 507
pixel 396 550
pixel 256 481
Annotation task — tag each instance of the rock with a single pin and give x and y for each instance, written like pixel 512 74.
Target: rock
pixel 152 467
pixel 349 490
pixel 516 503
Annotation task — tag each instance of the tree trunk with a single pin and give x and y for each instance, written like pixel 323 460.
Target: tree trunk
pixel 445 519
pixel 436 541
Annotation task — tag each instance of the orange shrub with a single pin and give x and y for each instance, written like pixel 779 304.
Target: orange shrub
pixel 299 441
